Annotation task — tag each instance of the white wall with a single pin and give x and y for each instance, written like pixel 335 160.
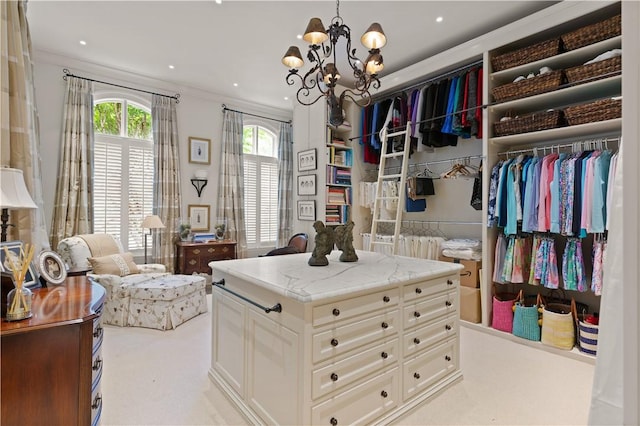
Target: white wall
pixel 199 114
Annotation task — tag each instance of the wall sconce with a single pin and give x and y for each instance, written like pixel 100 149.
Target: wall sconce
pixel 199 181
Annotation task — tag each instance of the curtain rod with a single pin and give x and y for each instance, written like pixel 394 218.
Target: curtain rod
pixel 225 108
pixel 67 73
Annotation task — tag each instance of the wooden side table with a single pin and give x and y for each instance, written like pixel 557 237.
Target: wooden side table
pixel 195 257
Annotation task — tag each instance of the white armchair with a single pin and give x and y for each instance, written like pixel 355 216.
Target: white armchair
pixel 137 295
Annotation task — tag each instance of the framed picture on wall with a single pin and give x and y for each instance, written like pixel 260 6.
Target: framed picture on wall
pixel 199 217
pixel 307 185
pixel 307 160
pixel 307 210
pixel 199 150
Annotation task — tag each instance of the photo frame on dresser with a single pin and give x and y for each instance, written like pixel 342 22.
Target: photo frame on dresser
pixel 307 185
pixel 307 160
pixel 51 267
pixel 14 248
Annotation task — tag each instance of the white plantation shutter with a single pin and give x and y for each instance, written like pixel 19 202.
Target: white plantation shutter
pixel 140 190
pixel 269 201
pixel 250 199
pixel 107 187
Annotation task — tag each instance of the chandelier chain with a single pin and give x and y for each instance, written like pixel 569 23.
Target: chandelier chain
pixel 338 8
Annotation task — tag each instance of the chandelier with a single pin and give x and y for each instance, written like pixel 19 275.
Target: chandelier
pixel 324 74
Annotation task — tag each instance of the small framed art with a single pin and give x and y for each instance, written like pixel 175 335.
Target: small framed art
pixel 52 268
pixel 307 160
pixel 307 210
pixel 199 150
pixel 199 217
pixel 14 247
pixel 307 185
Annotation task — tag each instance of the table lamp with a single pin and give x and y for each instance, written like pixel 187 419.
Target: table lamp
pixel 13 195
pixel 150 222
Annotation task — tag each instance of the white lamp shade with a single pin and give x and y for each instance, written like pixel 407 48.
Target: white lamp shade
pixel 13 191
pixel 152 222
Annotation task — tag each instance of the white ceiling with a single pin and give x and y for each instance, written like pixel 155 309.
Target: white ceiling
pixel 213 46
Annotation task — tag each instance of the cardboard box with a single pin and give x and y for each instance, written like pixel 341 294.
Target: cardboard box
pixel 470 304
pixel 470 275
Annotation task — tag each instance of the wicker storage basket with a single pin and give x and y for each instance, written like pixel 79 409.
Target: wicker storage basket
pixel 604 109
pixel 594 71
pixel 529 123
pixel 593 33
pixel 525 55
pixel 531 86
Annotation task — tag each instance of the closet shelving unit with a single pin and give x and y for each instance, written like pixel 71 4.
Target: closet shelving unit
pixel 565 95
pixel 339 162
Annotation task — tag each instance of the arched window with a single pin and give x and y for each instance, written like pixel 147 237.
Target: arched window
pixel 260 148
pixel 123 169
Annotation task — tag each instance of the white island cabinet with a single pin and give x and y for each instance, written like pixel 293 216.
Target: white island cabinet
pixel 347 343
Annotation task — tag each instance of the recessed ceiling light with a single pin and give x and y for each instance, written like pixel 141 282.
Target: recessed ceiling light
pixel 171 67
pixel 218 1
pixel 82 42
pixel 286 98
pixel 439 19
pixel 299 36
pixel 235 84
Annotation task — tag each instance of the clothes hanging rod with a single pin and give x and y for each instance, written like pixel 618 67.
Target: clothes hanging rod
pixel 429 163
pixel 225 108
pixel 585 143
pixel 439 222
pixel 68 73
pixel 430 80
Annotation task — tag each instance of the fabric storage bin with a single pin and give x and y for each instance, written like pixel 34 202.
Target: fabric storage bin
pixel 503 311
pixel 587 334
pixel 557 326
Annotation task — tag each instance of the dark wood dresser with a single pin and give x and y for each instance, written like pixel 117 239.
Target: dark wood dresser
pixel 51 363
pixel 195 257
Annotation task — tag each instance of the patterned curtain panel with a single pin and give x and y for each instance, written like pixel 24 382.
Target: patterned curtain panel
pixel 285 185
pixel 73 208
pixel 20 146
pixel 167 198
pixel 231 196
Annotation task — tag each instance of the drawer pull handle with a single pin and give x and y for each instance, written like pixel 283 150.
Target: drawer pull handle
pixel 333 421
pixel 416 375
pixel 335 312
pixel 418 290
pixel 98 332
pixel 196 251
pixel 334 377
pixel 96 364
pixel 334 342
pixel 384 394
pixel 416 314
pixel 447 358
pixel 96 402
pixel 385 325
pixel 193 262
pixel 386 299
pixel 384 355
pixel 449 282
pixel 447 303
pixel 448 327
pixel 211 250
pixel 416 341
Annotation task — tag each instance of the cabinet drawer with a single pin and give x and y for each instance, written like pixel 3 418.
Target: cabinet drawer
pixel 429 309
pixel 361 404
pixel 96 405
pixel 430 334
pixel 219 252
pixel 348 308
pixel 96 367
pixel 425 288
pixel 340 374
pixel 98 333
pixel 342 339
pixel 429 367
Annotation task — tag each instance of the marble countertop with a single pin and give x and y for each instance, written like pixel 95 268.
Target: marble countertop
pixel 292 277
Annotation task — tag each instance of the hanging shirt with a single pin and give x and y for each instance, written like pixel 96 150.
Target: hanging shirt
pixel 554 210
pixel 600 177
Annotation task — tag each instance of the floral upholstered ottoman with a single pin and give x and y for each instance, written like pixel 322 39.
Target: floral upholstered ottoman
pixel 165 302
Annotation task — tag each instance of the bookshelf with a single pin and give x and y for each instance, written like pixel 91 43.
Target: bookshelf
pixel 339 162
